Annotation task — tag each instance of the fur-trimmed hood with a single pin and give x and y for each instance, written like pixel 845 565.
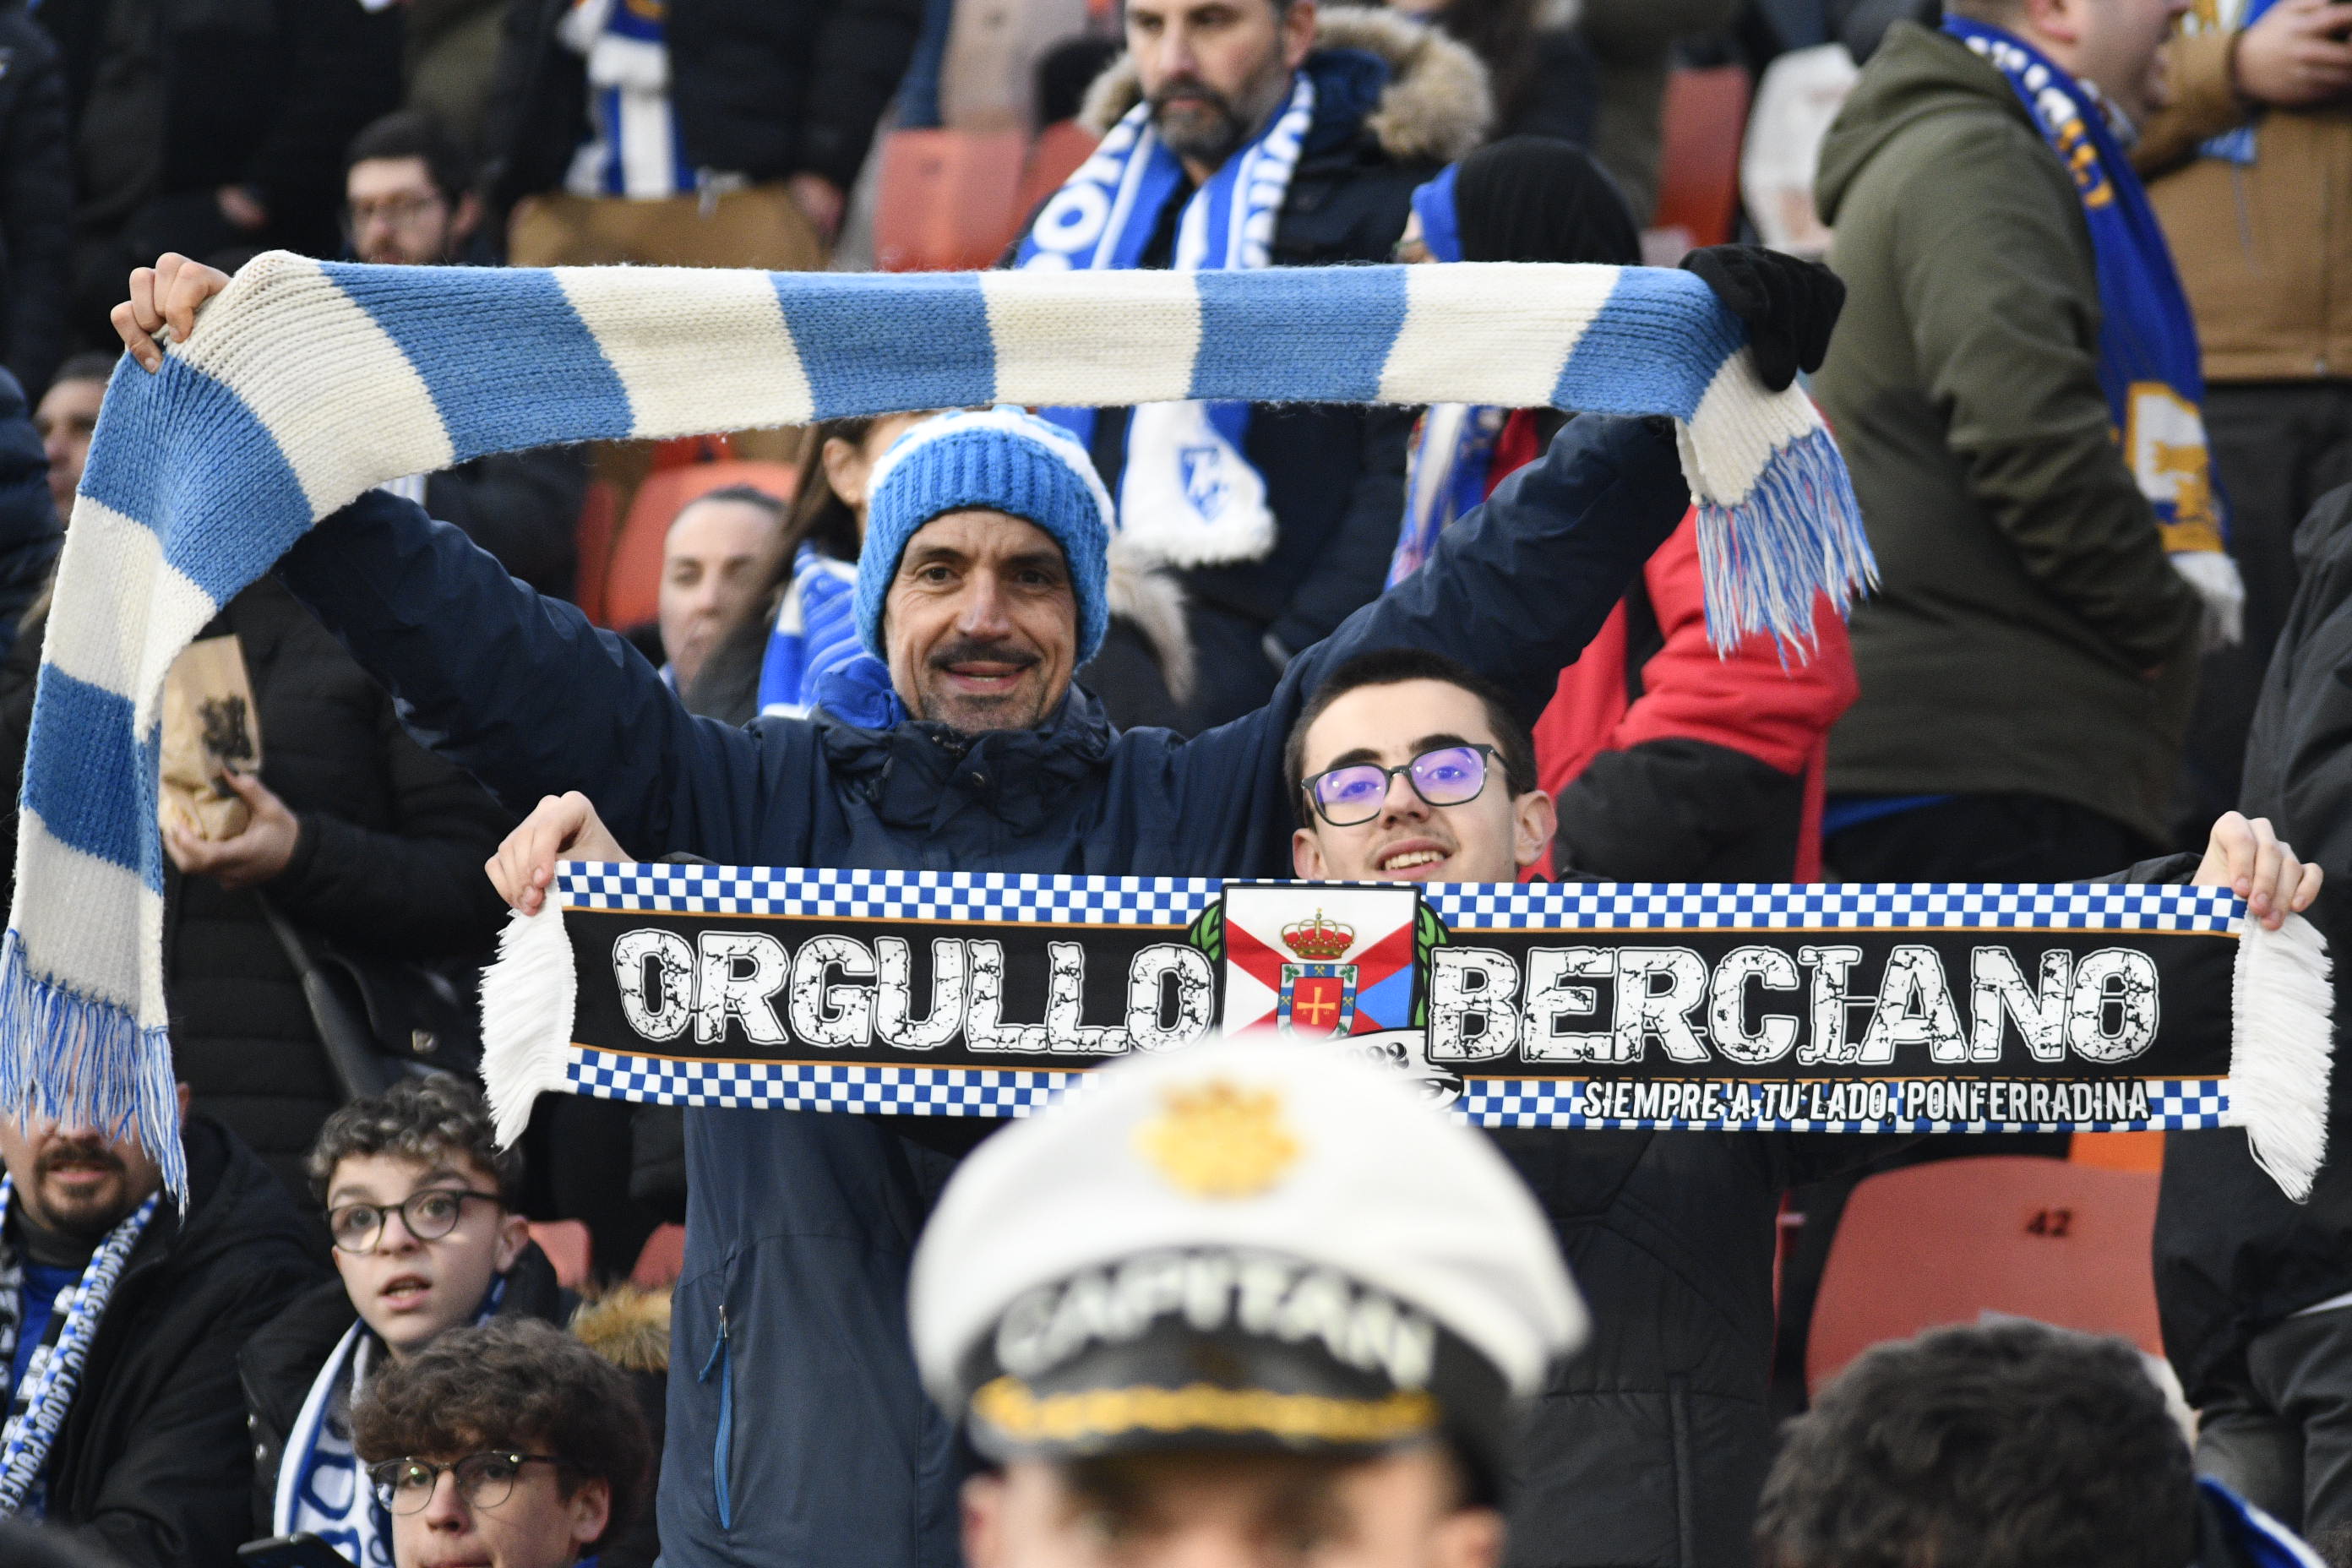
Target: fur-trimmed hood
pixel 1436 106
pixel 628 1326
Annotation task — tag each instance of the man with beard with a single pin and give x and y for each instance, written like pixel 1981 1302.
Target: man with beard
pixel 121 1318
pixel 1244 134
pixel 959 744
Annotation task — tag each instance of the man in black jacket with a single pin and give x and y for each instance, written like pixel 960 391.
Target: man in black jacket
pixel 121 1316
pixel 2256 1293
pixel 1650 1448
pixel 1393 101
pixel 409 200
pixel 691 133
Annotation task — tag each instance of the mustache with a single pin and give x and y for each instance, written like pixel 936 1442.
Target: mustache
pixel 1191 86
pixel 81 1151
pixel 971 650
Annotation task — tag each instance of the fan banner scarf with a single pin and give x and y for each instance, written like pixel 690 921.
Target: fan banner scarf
pixel 306 382
pixel 1910 1008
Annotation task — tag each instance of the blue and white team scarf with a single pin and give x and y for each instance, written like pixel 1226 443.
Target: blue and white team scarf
pixel 321 1488
pixel 1445 477
pixel 636 150
pixel 2149 364
pixel 815 630
pixel 308 383
pixel 1453 443
pixel 37 1410
pixel 1187 494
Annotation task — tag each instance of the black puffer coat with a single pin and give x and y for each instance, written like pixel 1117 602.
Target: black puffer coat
pixel 765 89
pixel 390 862
pixel 264 94
pixel 151 1464
pixel 2234 1256
pixel 36 200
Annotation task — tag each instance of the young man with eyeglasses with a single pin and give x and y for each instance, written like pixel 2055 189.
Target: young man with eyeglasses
pixel 1652 1446
pixel 506 1445
pixel 426 1239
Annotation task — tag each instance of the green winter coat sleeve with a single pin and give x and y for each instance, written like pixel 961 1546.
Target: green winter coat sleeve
pixel 1995 269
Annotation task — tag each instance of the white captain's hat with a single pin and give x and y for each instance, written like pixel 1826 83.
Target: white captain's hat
pixel 1250 1244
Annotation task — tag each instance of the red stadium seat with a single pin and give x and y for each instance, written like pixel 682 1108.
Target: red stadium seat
pixel 566 1243
pixel 1061 148
pixel 946 201
pixel 1947 1242
pixel 1698 166
pixel 591 537
pixel 663 1257
pixel 630 587
pixel 2117 1150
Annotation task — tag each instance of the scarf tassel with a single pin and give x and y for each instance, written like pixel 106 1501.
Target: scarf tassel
pixel 1796 534
pixel 117 1073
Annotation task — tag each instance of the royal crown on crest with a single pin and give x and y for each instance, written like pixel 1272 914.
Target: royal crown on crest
pixel 1317 939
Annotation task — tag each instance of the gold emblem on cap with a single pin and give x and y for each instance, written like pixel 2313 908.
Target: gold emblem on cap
pixel 1219 1141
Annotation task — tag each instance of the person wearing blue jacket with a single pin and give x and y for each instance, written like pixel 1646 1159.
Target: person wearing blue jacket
pixel 798 1433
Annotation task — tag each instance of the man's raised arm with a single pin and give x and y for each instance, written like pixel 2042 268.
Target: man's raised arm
pixel 522 692
pixel 1514 592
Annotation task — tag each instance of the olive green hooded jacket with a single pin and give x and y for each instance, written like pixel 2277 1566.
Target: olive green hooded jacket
pixel 2024 597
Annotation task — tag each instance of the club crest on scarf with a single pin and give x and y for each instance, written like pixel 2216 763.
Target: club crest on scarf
pixel 1318 962
pixel 1188 493
pixel 2149 364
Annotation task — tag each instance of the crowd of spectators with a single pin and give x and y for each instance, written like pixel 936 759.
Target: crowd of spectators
pixel 2085 371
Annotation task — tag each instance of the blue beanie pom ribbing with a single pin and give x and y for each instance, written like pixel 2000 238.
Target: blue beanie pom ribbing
pixel 1003 459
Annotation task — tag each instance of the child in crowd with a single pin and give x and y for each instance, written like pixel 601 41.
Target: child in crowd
pixel 420 1202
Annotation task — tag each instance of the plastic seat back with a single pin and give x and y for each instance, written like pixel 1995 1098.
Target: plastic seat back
pixel 1704 121
pixel 946 199
pixel 2006 1234
pixel 566 1243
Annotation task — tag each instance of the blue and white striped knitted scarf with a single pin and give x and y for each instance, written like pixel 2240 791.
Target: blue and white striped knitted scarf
pixel 306 382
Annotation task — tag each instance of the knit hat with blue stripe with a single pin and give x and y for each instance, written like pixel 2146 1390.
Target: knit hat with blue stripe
pixel 1003 459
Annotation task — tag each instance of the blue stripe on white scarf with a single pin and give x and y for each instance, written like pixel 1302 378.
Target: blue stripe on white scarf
pixel 1188 492
pixel 2149 364
pixel 309 383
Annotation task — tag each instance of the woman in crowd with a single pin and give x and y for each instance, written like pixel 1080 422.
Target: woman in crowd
pixel 802 625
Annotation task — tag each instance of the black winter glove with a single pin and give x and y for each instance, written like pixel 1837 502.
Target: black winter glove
pixel 1791 306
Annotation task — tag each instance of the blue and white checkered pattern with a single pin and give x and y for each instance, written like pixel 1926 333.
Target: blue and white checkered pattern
pixel 827 894
pixel 2174 1105
pixel 812 1086
pixel 1647 906
pixel 1464 906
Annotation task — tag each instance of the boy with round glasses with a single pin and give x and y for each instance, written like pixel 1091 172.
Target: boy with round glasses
pixel 504 1444
pixel 426 1239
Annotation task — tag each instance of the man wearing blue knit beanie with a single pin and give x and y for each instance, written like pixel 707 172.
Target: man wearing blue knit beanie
pixel 798 1432
pixel 985 548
